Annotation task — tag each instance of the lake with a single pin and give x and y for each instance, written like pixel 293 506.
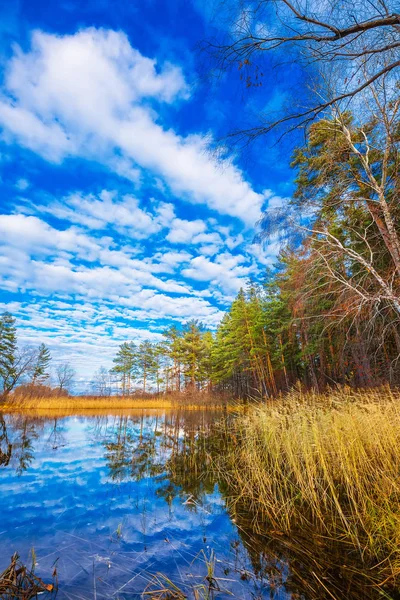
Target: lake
pixel 124 504
pixel 110 501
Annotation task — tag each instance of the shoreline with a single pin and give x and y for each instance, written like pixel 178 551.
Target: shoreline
pixel 108 405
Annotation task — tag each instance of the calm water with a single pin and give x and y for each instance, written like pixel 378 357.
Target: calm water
pixel 114 500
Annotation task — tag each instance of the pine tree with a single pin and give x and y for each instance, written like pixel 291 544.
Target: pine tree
pixel 160 364
pixel 192 348
pixel 173 349
pixel 126 365
pixel 39 369
pixel 14 363
pixel 8 352
pixel 205 364
pixel 147 364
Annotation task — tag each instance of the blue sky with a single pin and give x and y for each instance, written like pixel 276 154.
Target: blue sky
pixel 115 217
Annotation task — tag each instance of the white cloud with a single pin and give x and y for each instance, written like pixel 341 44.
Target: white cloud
pixel 26 241
pixel 183 231
pixel 69 263
pixel 27 232
pixel 226 270
pixel 109 210
pixel 22 184
pixel 265 255
pixel 168 261
pixel 49 139
pixel 38 257
pixel 207 238
pixel 155 304
pixel 275 201
pixel 88 95
pixel 209 250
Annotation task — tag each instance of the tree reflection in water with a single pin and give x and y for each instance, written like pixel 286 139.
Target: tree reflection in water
pixel 17 436
pixel 5 445
pixel 178 452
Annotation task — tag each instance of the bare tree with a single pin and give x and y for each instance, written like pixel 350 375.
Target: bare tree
pixel 102 382
pixel 65 374
pixel 342 38
pixel 369 289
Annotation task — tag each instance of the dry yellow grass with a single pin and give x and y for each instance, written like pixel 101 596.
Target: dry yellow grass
pixel 325 464
pixel 96 405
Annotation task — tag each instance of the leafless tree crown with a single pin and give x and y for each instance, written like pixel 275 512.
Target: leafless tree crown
pixel 357 41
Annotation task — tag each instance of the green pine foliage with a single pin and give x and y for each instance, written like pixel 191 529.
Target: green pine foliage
pixel 125 366
pixel 40 373
pixel 8 353
pixel 20 365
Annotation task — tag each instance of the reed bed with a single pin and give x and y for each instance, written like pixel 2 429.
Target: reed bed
pixel 73 404
pixel 84 402
pixel 328 465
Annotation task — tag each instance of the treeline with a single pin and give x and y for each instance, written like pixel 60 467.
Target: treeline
pixel 275 335
pixel 334 302
pixel 329 312
pixel 26 370
pixel 240 358
pixel 182 361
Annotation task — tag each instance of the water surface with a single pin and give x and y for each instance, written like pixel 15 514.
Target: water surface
pixel 113 500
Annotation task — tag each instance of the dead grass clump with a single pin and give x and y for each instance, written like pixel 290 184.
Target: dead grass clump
pixel 17 582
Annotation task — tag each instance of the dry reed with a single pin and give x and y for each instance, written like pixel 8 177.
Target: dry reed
pixel 329 465
pixel 71 404
pixel 18 582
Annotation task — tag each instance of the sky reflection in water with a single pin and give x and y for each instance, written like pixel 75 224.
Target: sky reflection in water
pixel 113 501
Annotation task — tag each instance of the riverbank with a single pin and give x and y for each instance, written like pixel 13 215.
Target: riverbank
pixel 76 404
pixel 328 465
